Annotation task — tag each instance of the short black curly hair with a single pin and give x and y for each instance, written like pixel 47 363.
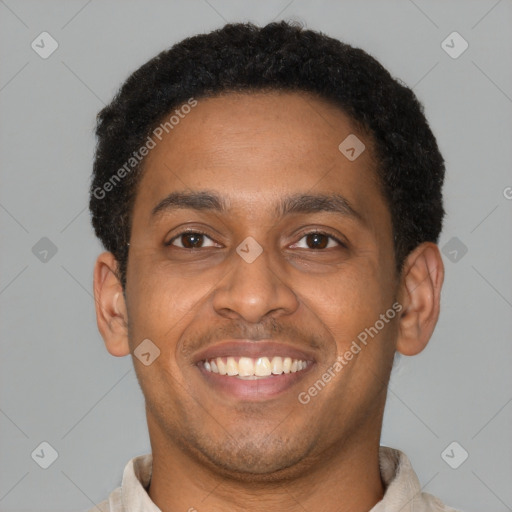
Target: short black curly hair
pixel 281 56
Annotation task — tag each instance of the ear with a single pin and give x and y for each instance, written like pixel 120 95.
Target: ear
pixel 111 313
pixel 420 292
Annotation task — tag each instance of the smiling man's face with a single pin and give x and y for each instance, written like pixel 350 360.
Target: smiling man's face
pixel 306 296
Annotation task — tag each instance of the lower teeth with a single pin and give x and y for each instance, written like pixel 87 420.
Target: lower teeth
pixel 252 377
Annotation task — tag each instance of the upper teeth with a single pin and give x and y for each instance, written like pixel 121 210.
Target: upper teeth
pixel 260 367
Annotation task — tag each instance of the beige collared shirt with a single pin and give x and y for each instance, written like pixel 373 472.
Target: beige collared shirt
pixel 403 491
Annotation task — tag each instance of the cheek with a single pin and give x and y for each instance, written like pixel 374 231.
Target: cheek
pixel 160 310
pixel 157 301
pixel 352 301
pixel 166 300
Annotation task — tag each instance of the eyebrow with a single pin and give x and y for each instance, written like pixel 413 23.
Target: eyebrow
pixel 296 203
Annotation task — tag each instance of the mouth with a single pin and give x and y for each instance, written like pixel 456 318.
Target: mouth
pixel 253 370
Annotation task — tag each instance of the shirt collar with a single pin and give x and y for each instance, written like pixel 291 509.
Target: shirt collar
pixel 136 479
pixel 402 487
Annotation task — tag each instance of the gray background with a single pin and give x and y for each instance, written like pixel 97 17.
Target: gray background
pixel 58 382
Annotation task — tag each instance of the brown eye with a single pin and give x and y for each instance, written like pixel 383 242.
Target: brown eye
pixel 319 240
pixel 189 240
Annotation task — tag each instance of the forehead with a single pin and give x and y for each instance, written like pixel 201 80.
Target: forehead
pixel 256 147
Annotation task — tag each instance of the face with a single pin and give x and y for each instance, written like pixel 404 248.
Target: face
pixel 277 246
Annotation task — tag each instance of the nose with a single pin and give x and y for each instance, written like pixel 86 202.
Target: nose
pixel 252 290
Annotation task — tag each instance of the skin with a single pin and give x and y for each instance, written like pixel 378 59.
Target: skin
pixel 213 453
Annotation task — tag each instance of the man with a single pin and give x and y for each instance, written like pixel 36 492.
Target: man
pixel 270 201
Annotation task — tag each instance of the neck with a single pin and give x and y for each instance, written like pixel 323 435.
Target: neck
pixel 345 479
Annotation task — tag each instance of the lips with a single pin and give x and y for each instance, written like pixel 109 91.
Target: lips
pixel 253 388
pixel 252 349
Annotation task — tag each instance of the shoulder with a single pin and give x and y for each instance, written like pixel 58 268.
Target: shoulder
pixel 112 504
pixel 434 504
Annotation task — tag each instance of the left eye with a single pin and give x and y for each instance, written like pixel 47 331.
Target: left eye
pixel 320 240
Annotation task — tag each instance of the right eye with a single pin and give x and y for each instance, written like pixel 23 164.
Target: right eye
pixel 189 240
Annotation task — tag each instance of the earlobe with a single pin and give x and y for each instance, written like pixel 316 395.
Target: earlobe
pixel 421 285
pixel 111 313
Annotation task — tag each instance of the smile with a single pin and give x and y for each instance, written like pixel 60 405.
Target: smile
pixel 253 371
pixel 249 368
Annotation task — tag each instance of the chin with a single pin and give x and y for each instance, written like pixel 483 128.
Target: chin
pixel 251 461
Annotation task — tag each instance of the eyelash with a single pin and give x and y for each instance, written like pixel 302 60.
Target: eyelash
pixel 199 232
